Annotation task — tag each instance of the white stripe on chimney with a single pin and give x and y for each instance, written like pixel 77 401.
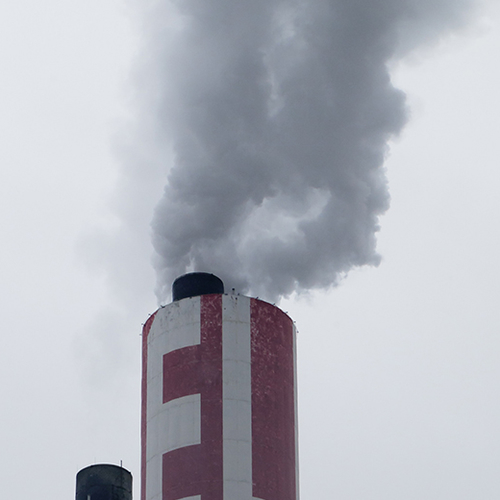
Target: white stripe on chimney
pixel 177 423
pixel 237 398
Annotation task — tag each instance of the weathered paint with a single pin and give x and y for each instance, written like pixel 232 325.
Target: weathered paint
pixel 273 403
pixel 219 401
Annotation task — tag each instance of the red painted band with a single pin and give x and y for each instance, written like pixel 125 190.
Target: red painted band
pixel 181 472
pixel 197 470
pixel 181 373
pixel 273 403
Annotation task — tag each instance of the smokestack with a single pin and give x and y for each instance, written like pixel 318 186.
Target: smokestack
pixel 104 482
pixel 218 397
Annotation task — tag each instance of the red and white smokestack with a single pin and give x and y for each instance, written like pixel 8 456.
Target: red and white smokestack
pixel 218 397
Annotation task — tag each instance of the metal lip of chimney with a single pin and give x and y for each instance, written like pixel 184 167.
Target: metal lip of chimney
pixel 196 284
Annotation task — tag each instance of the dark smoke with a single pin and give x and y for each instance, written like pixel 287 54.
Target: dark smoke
pixel 277 115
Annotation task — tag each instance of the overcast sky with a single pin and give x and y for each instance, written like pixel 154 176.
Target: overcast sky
pixel 399 367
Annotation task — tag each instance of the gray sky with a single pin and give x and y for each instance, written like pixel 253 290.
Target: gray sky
pixel 398 366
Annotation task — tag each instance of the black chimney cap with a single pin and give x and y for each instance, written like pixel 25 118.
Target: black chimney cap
pixel 194 284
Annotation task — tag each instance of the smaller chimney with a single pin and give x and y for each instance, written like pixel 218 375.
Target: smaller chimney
pixel 104 482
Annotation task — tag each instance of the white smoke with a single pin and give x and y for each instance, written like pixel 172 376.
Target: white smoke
pixel 274 118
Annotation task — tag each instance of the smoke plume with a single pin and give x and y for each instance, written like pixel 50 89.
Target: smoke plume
pixel 274 118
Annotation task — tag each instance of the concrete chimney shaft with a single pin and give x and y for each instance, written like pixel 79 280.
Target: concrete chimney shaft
pixel 219 401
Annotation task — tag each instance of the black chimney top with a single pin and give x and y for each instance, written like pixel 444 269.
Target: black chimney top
pixel 194 284
pixel 104 482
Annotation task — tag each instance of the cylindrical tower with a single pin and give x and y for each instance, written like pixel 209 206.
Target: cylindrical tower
pixel 218 399
pixel 104 482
